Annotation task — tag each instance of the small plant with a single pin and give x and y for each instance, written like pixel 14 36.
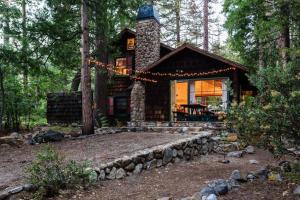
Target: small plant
pixel 49 173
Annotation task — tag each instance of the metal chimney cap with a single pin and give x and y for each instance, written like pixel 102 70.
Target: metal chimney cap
pixel 147 12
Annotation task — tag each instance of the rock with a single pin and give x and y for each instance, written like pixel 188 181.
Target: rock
pixel 16 135
pixel 262 173
pixel 236 175
pixel 285 166
pixel 174 153
pixel 180 153
pixel 253 162
pixel 28 187
pixel 138 169
pixel 297 190
pixel 49 136
pixel 107 170
pixel 224 161
pixel 220 186
pixel 112 174
pixel 176 160
pixel 207 191
pixel 16 190
pixel 120 173
pixel 151 164
pixel 4 195
pixel 232 137
pixel 250 176
pixel 236 154
pixel 159 163
pixel 102 175
pixel 130 167
pixel 164 198
pixel 212 197
pixel 250 150
pixel 11 141
pixel 168 155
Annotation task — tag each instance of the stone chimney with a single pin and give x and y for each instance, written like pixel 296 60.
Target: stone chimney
pixel 147 51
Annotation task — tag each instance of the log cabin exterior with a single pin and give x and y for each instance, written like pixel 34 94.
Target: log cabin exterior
pixel 153 81
pixel 160 98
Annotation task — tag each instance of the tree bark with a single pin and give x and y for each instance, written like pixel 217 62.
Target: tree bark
pixel 284 35
pixel 2 100
pixel 205 25
pixel 101 78
pixel 76 81
pixel 87 112
pixel 177 13
pixel 24 43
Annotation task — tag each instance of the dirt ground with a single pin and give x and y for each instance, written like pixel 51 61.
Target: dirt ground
pixel 97 148
pixel 184 179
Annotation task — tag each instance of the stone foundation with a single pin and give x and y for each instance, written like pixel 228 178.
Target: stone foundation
pixel 137 104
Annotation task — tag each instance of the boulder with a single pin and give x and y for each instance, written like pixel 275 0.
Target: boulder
pixel 102 175
pixel 253 162
pixel 159 163
pixel 207 191
pixel 11 141
pixel 285 166
pixel 168 155
pixel 130 167
pixel 112 174
pixel 120 173
pixel 236 154
pixel 212 197
pixel 250 149
pixel 220 186
pixel 151 164
pixel 297 190
pixel 236 175
pixel 138 169
pixel 262 173
pixel 48 136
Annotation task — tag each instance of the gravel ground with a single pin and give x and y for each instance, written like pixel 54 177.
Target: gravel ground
pixel 97 148
pixel 184 179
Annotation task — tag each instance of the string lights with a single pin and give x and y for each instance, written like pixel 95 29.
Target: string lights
pixel 111 68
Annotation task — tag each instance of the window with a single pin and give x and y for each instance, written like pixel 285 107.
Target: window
pixel 121 66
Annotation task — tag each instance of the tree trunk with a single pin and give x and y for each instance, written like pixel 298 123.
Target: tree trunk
pixel 2 100
pixel 87 111
pixel 76 81
pixel 284 35
pixel 260 54
pixel 205 25
pixel 177 13
pixel 102 56
pixel 24 43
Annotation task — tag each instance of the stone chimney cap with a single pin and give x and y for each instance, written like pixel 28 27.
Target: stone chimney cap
pixel 147 12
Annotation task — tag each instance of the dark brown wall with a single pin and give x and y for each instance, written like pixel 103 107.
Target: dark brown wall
pixel 64 108
pixel 158 101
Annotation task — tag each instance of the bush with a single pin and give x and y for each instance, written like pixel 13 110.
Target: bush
pixel 49 173
pixel 274 114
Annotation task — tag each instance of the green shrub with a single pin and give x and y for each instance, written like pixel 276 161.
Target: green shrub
pixel 274 114
pixel 49 173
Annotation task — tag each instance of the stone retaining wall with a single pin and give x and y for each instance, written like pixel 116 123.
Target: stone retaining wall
pixel 183 149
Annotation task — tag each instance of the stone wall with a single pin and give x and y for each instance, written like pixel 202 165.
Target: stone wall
pixel 158 156
pixel 147 43
pixel 137 103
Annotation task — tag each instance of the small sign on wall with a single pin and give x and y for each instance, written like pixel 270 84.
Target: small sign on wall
pixel 130 44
